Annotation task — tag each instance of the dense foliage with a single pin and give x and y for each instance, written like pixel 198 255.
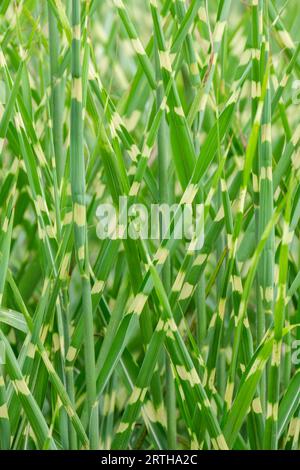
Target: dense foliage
pixel 116 343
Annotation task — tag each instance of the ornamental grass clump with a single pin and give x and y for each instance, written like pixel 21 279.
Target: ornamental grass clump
pixel 119 330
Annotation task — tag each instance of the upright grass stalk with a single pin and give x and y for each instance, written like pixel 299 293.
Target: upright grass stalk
pixel 164 192
pixel 265 179
pixel 56 94
pixel 271 432
pixel 80 228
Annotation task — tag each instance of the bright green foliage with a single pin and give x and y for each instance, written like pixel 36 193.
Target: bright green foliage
pixel 147 343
